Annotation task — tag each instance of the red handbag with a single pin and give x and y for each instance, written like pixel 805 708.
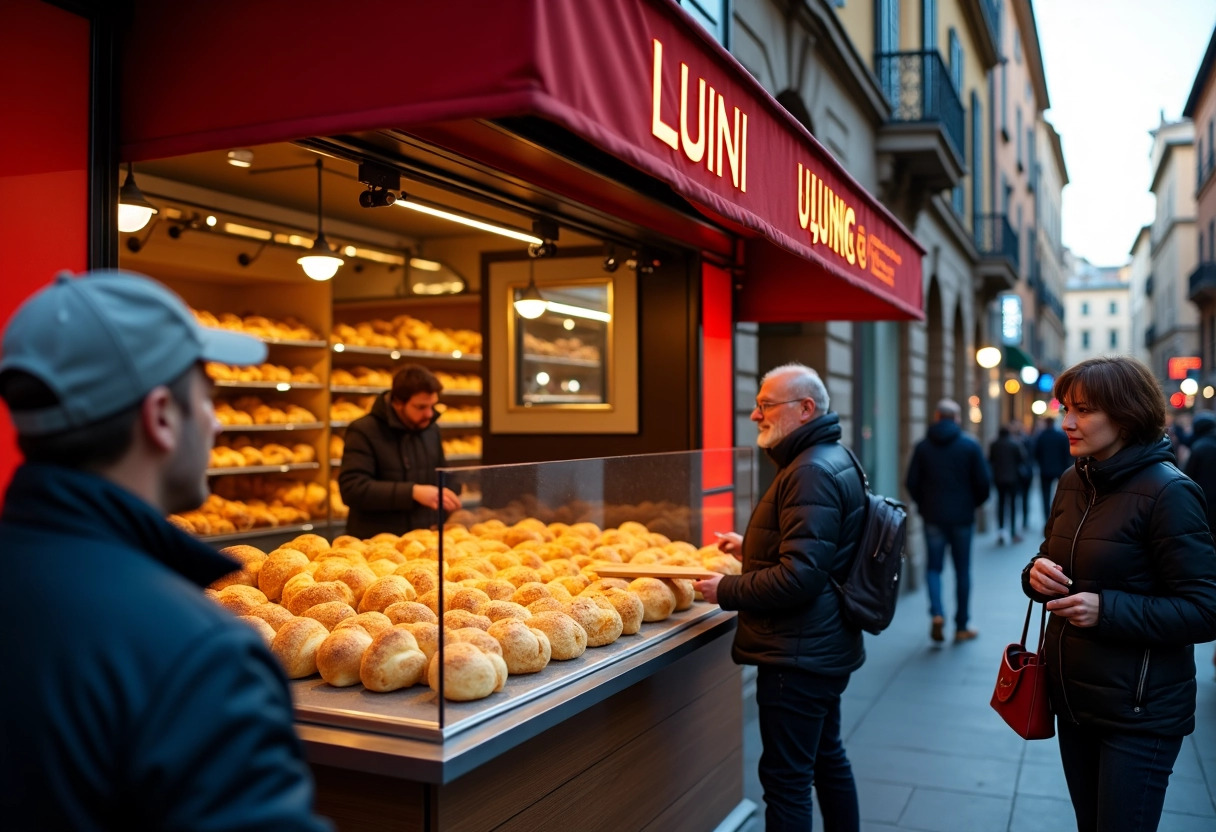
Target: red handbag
pixel 1021 687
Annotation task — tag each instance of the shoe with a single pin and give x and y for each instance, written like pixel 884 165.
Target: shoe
pixel 965 635
pixel 1000 539
pixel 935 628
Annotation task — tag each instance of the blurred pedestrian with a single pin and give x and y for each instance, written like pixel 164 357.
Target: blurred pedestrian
pixel 1052 456
pixel 948 480
pixel 1127 570
pixel 1006 457
pixel 1025 468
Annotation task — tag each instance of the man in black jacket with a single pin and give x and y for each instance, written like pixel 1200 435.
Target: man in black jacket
pixel 805 528
pixel 948 481
pixel 131 701
pixel 1053 458
pixel 388 478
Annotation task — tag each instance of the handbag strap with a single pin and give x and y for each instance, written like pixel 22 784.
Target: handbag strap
pixel 1042 625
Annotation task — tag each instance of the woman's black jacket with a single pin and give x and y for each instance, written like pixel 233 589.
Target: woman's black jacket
pixel 1130 528
pixel 805 527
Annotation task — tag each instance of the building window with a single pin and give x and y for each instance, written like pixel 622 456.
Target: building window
pixel 1114 339
pixel 928 25
pixel 887 21
pixel 1114 307
pixel 977 153
pixel 1085 307
pixel 1085 339
pixel 712 16
pixel 1017 46
pixel 956 61
pixel 1004 101
pixel 1018 126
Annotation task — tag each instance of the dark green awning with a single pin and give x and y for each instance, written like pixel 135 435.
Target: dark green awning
pixel 1016 358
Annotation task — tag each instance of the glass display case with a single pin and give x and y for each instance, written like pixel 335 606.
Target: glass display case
pixel 539 529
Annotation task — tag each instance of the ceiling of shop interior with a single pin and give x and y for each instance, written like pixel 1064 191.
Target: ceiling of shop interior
pixel 284 175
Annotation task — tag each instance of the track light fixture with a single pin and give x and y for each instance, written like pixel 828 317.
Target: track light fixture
pixel 246 259
pixel 611 263
pixel 134 210
pixel 375 197
pixel 322 263
pixel 530 304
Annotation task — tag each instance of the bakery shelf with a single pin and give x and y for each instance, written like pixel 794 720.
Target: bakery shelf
pixel 293 342
pixel 459 425
pixel 350 349
pixel 269 428
pixel 262 531
pixel 265 469
pixel 271 385
pixel 335 463
pixel 561 398
pixel 463 457
pixel 470 393
pixel 347 388
pixel 563 361
pixel 339 423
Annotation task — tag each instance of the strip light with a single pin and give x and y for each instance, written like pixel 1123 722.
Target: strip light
pixel 481 225
pixel 578 311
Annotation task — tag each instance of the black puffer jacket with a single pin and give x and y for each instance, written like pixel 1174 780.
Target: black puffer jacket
pixel 1130 528
pixel 381 463
pixel 805 527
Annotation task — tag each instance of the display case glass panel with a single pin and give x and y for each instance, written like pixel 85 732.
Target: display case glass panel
pixel 561 357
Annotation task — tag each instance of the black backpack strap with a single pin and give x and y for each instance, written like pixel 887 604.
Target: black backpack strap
pixel 865 517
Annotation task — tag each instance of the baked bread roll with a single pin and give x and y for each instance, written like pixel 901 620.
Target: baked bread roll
pixel 263 629
pixel 278 566
pixel 386 591
pixel 236 604
pixel 360 579
pixel 374 622
pixel 598 617
pixel 607 583
pixel 295 646
pixel 244 554
pixel 425 634
pixel 525 649
pixel 294 584
pixel 455 619
pixel 340 655
pixel 682 589
pixel 567 639
pixel 423 576
pixel 409 612
pixel 468 599
pixel 273 614
pixel 574 584
pixel 392 661
pixel 468 673
pixel 529 592
pixel 250 593
pixel 382 567
pixel 519 575
pixel 319 593
pixel 330 613
pixel 657 598
pixel 548 604
pixel 629 606
pixel 496 590
pixel 476 636
pixel 494 610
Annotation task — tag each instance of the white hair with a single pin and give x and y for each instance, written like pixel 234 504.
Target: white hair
pixel 804 383
pixel 949 409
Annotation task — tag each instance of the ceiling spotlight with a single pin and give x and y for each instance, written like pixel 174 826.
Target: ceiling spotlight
pixel 611 263
pixel 545 248
pixel 240 158
pixel 134 210
pixel 323 263
pixel 375 197
pixel 245 259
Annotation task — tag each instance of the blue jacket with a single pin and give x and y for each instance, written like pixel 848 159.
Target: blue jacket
pixel 805 528
pixel 1051 452
pixel 130 700
pixel 947 477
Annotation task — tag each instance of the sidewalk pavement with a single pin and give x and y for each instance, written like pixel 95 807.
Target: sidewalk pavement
pixel 928 752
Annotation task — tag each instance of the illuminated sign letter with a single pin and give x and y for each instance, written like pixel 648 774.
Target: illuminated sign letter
pixel 693 150
pixel 662 131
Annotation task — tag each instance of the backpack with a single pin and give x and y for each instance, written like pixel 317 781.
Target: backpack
pixel 869 591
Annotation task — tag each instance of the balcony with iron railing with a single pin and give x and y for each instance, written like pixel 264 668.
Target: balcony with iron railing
pixel 925 130
pixel 997 243
pixel 1201 286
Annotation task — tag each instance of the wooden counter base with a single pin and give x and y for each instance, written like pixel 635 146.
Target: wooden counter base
pixel 663 754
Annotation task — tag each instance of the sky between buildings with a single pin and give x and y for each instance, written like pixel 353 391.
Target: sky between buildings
pixel 1112 67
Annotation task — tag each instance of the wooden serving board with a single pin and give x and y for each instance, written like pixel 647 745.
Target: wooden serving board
pixel 650 570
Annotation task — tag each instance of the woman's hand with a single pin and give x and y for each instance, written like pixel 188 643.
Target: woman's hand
pixel 1047 578
pixel 1081 609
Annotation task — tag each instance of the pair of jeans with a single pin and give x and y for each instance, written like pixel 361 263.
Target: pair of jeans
pixel 1116 779
pixel 799 714
pixel 958 538
pixel 1007 495
pixel 1045 484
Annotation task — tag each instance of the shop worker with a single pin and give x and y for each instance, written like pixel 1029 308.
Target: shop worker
pixel 130 700
pixel 388 478
pixel 806 527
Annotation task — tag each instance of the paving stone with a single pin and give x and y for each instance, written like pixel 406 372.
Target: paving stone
pixel 940 810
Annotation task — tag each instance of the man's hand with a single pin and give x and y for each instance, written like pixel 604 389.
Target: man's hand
pixel 1047 578
pixel 1081 609
pixel 429 495
pixel 731 543
pixel 708 587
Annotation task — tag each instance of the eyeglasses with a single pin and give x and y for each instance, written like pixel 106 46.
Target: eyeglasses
pixel 764 407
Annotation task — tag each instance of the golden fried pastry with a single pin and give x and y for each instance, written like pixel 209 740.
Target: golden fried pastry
pixel 519 575
pixel 392 661
pixel 658 598
pixel 386 591
pixel 525 649
pixel 239 577
pixel 567 639
pixel 559 592
pixel 468 673
pixel 574 584
pixel 683 590
pixel 422 575
pixel 263 629
pixel 294 584
pixel 278 566
pixel 629 606
pixel 455 619
pixel 273 614
pixel 359 578
pixel 495 610
pixel 341 654
pixel 531 591
pixel 503 560
pixel 598 617
pixel 468 598
pixel 477 636
pixel 244 554
pixel 344 541
pixel 330 613
pixel 374 622
pixel 389 553
pixel 319 593
pixel 547 604
pixel 236 604
pixel 295 646
pixel 386 538
pixel 497 590
pixel 251 593
pixel 409 612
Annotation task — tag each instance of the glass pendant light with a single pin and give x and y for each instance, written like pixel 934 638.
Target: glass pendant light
pixel 322 263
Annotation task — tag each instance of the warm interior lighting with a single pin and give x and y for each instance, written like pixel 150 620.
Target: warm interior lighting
pixel 1012 386
pixel 578 312
pixel 323 263
pixel 134 211
pixel 249 231
pixel 240 158
pixel 471 222
pixel 425 265
pixel 988 357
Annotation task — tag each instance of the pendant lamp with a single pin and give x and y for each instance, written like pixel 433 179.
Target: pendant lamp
pixel 134 210
pixel 530 304
pixel 322 263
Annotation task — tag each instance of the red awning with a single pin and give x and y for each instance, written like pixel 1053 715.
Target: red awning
pixel 636 78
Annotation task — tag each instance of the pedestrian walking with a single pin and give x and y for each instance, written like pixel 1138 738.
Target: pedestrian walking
pixel 1052 456
pixel 1007 457
pixel 948 480
pixel 1127 570
pixel 805 528
pixel 1201 465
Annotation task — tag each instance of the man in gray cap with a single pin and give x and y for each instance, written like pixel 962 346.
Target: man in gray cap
pixel 130 700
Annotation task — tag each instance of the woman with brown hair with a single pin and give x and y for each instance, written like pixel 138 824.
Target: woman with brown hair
pixel 1128 572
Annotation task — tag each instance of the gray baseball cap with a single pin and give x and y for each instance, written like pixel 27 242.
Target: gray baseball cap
pixel 103 341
